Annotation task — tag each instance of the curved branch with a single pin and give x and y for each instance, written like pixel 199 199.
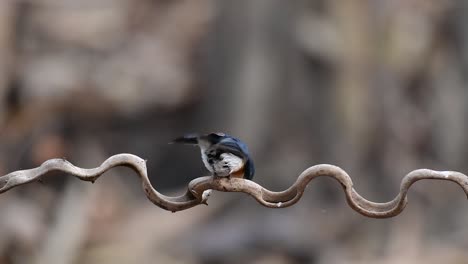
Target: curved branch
pixel 199 188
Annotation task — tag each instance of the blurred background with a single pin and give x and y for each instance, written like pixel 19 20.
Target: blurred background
pixel 377 87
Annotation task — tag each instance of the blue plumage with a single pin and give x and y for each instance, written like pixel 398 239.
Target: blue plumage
pixel 222 154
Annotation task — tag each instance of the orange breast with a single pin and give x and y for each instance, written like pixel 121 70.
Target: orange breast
pixel 239 173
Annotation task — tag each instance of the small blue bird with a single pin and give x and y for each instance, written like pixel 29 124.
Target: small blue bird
pixel 223 155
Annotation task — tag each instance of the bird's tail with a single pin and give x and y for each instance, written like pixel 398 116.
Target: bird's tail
pixel 186 139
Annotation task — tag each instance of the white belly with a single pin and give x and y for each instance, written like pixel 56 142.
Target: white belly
pixel 225 166
pixel 233 162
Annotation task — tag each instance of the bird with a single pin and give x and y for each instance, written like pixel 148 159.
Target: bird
pixel 222 154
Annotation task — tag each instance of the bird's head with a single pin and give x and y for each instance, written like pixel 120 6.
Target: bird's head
pixel 214 138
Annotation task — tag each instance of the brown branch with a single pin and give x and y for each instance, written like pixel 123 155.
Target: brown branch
pixel 199 188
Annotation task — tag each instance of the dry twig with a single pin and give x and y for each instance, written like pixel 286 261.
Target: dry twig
pixel 199 188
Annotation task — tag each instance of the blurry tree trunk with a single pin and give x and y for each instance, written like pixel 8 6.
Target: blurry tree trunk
pixel 71 219
pixel 257 71
pixel 353 90
pixel 252 65
pixel 7 31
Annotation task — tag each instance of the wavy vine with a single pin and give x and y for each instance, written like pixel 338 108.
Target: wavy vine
pixel 200 188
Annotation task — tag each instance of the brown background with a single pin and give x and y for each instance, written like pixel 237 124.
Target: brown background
pixel 377 87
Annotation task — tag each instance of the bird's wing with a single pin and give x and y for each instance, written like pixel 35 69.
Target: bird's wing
pixel 232 147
